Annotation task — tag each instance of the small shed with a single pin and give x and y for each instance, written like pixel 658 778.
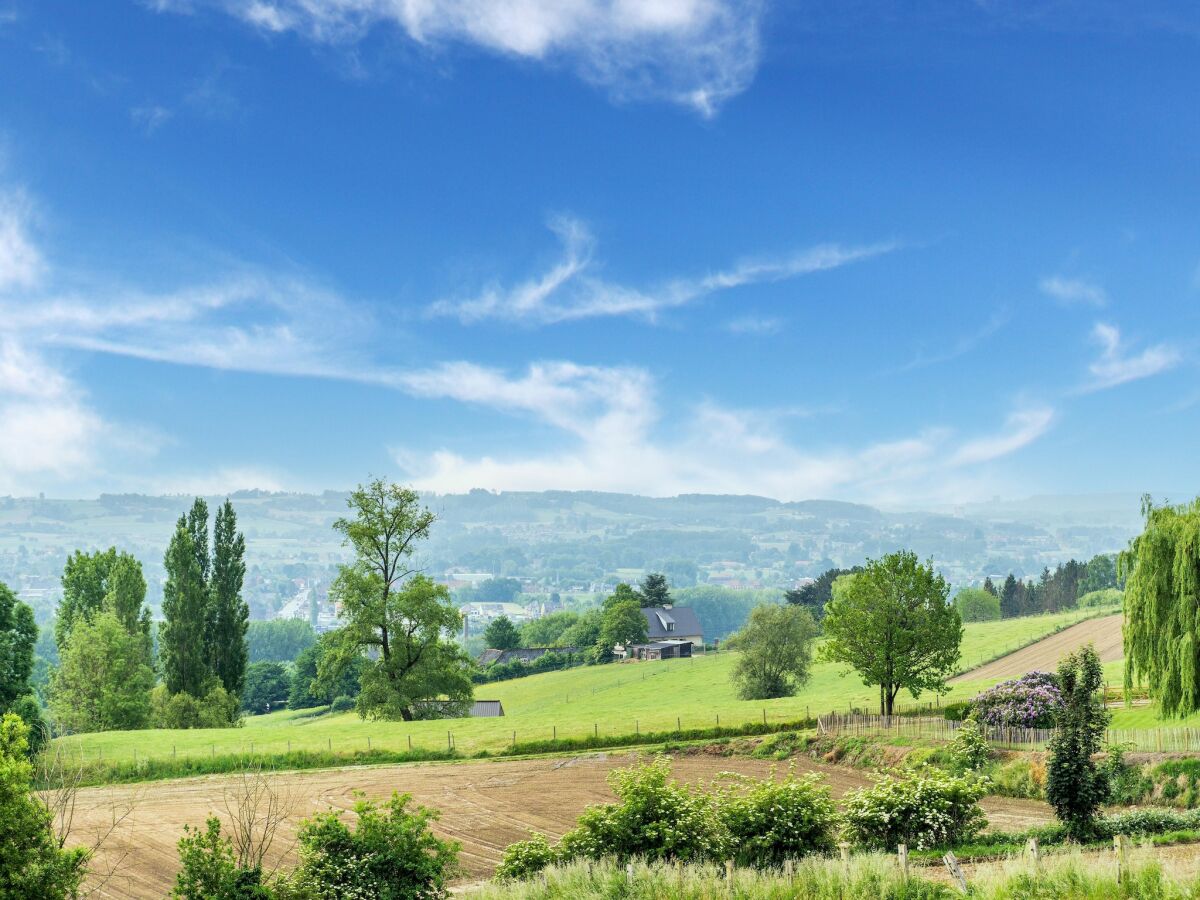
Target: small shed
pixel 661 650
pixel 487 709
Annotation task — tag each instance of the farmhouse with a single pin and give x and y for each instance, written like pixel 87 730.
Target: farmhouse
pixel 673 623
pixel 523 654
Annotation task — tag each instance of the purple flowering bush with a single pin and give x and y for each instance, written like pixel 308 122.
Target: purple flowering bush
pixel 1031 701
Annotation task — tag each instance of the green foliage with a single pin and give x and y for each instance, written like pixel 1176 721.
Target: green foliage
pixel 772 820
pixel 524 858
pixel 621 623
pixel 402 617
pixel 723 610
pixel 103 682
pixel 925 809
pixel 654 590
pixel 279 640
pixel 308 690
pixel 501 634
pixel 341 704
pixel 1102 597
pixel 584 632
pixel 774 652
pixel 209 871
pixel 1075 787
pixel 32 864
pixel 814 595
pixel 213 709
pixel 390 853
pixel 18 635
pixel 182 648
pixel 892 624
pixel 656 818
pixel 547 662
pixel 94 581
pixel 498 590
pixel 267 687
pixel 970 749
pixel 546 631
pixel 977 605
pixel 30 712
pixel 228 614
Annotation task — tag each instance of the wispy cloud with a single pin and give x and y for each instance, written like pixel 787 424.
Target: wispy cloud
pixel 20 260
pixel 754 325
pixel 696 53
pixel 957 348
pixel 151 117
pixel 1073 291
pixel 568 289
pixel 1117 366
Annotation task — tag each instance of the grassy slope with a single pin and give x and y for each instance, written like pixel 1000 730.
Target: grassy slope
pixel 614 699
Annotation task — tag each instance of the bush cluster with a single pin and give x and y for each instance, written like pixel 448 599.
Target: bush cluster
pixel 216 709
pixel 926 809
pixel 547 662
pixel 1031 701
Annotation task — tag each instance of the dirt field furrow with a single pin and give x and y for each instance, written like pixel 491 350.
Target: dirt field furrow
pixel 484 805
pixel 1044 655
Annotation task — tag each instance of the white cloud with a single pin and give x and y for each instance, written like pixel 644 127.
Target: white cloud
pixel 615 438
pixel 225 480
pixel 754 325
pixel 20 262
pixel 1116 366
pixel 1073 291
pixel 151 117
pixel 568 290
pixel 696 53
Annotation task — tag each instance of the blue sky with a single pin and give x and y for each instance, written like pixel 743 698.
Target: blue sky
pixel 817 249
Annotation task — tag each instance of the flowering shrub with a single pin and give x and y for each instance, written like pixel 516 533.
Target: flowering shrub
pixel 1031 701
pixel 775 820
pixel 525 858
pixel 924 810
pixel 657 818
pixel 970 748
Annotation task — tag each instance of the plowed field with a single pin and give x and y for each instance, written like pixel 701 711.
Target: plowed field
pixel 1105 633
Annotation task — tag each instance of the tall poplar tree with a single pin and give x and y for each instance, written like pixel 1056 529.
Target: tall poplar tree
pixel 182 644
pixel 229 615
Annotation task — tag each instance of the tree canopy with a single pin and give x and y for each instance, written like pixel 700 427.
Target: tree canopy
pixel 814 595
pixel 403 619
pixel 774 651
pixel 1075 787
pixel 104 680
pixel 654 590
pixel 977 605
pixel 892 624
pixel 18 635
pixel 1162 606
pixel 102 579
pixel 501 634
pixel 279 640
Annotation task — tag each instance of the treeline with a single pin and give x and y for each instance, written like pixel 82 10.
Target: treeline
pixel 1056 589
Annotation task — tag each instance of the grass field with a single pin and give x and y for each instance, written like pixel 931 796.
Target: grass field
pixel 610 700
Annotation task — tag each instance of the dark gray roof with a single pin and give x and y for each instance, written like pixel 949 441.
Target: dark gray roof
pixel 487 708
pixel 525 654
pixel 659 645
pixel 658 617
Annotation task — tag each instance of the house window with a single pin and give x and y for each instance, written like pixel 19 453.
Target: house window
pixel 670 626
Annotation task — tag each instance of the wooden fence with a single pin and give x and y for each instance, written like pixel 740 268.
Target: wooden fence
pixel 936 728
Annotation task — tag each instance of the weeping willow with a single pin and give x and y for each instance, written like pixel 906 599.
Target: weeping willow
pixel 1162 607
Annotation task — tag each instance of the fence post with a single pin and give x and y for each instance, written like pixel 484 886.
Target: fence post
pixel 637 728
pixel 956 871
pixel 679 875
pixel 410 741
pixel 764 715
pixel 902 854
pixel 1121 849
pixel 368 743
pixel 330 740
pixel 729 875
pixel 844 847
pixel 449 744
pixel 677 728
pixel 1031 847
pixel 629 872
pixel 554 733
pixel 595 729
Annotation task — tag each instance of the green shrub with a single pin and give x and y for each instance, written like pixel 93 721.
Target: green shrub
pixel 1103 597
pixel 781 746
pixel 525 858
pixel 970 749
pixel 776 820
pixel 342 704
pixel 1127 784
pixel 390 853
pixel 956 712
pixel 208 870
pixel 1020 778
pixel 924 810
pixel 216 709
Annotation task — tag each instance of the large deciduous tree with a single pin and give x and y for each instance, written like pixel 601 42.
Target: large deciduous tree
pixel 400 618
pixel 18 635
pixel 814 595
pixel 1162 607
pixel 977 605
pixel 104 680
pixel 501 634
pixel 774 651
pixel 102 580
pixel 892 624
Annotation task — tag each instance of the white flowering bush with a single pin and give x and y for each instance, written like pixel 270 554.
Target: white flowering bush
pixel 970 749
pixel 656 818
pixel 774 819
pixel 926 809
pixel 525 858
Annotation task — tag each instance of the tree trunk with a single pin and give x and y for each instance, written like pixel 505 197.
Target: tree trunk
pixel 406 713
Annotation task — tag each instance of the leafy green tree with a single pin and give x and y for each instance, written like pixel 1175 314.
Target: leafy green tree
pixel 621 623
pixel 584 633
pixel 814 595
pixel 279 640
pixel 182 646
pixel 774 652
pixel 102 580
pixel 1162 580
pixel 546 631
pixel 18 635
pixel 390 853
pixel 977 605
pixel 654 590
pixel 990 587
pixel 892 624
pixel 402 618
pixel 228 613
pixel 501 634
pixel 103 682
pixel 208 868
pixel 307 690
pixel 1100 574
pixel 1075 786
pixel 33 866
pixel 267 686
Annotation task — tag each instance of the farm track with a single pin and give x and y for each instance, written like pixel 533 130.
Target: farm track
pixel 1044 655
pixel 484 805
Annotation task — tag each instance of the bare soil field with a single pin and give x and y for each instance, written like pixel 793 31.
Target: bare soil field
pixel 484 805
pixel 1105 633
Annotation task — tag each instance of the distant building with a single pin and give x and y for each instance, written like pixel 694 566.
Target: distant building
pixel 661 650
pixel 522 654
pixel 673 623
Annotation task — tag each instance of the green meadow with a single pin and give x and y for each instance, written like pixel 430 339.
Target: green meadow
pixel 605 701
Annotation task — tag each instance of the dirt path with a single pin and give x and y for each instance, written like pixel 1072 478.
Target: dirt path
pixel 1105 633
pixel 484 805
